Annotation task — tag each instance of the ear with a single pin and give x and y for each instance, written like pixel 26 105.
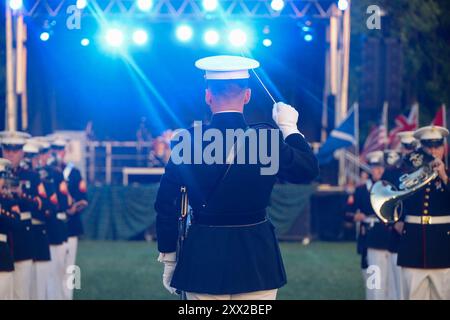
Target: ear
pixel 248 95
pixel 208 97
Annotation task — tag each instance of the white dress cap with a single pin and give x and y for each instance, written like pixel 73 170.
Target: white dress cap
pixel 406 137
pixel 375 157
pixel 226 67
pixel 431 133
pixel 31 147
pixel 14 138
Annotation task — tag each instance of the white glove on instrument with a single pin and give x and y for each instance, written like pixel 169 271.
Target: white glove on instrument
pixel 286 117
pixel 169 260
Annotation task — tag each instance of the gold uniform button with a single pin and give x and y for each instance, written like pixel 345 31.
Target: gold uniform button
pixel 426 204
pixel 427 197
pixel 427 189
pixel 425 211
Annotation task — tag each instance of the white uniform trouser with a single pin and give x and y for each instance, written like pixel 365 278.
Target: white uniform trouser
pixel 41 273
pixel 377 281
pixel 23 274
pixel 71 255
pixel 6 285
pixel 256 295
pixel 395 289
pixel 426 284
pixel 56 278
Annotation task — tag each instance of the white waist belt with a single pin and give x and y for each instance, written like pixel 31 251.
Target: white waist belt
pixel 3 237
pixel 371 220
pixel 61 216
pixel 25 216
pixel 427 219
pixel 36 222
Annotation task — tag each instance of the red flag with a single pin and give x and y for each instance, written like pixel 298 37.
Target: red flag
pixel 403 123
pixel 439 118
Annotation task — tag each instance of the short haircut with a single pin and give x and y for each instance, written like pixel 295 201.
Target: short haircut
pixel 227 88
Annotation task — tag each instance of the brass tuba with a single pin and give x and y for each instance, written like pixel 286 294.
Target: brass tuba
pixel 386 199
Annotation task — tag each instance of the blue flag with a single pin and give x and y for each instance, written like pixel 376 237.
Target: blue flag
pixel 341 137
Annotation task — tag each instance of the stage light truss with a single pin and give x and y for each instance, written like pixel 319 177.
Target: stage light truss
pixel 183 9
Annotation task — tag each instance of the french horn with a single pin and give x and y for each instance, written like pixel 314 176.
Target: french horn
pixel 386 199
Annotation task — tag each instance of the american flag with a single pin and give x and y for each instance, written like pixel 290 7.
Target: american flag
pixel 376 140
pixel 403 123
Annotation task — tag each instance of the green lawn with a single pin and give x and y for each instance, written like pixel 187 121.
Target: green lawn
pixel 129 270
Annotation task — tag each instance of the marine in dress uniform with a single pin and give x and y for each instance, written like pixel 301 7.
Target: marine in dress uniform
pixel 77 192
pixel 22 238
pixel 41 246
pixel 55 204
pixel 231 251
pixel 7 220
pixel 374 236
pixel 424 249
pixel 392 174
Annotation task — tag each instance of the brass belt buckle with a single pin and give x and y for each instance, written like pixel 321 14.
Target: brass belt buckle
pixel 426 220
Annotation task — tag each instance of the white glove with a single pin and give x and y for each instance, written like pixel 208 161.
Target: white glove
pixel 286 117
pixel 169 260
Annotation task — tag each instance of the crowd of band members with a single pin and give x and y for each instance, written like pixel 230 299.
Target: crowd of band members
pixel 41 200
pixel 411 258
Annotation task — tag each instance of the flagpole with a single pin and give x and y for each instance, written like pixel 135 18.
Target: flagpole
pixel 444 121
pixel 356 124
pixel 385 123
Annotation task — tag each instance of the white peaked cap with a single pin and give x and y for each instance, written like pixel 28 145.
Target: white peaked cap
pixel 406 137
pixel 431 133
pixel 226 67
pixel 375 157
pixel 31 147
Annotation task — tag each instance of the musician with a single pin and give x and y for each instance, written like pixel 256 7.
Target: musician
pixel 24 203
pixel 374 236
pixel 77 193
pixel 424 250
pixel 7 220
pixel 41 246
pixel 392 174
pixel 230 251
pixel 55 195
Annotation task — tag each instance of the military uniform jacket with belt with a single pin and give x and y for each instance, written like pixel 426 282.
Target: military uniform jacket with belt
pixel 231 246
pixel 426 245
pixel 30 201
pixel 8 221
pixel 373 234
pixel 393 175
pixel 56 205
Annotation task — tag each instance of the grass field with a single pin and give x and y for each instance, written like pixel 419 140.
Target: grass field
pixel 129 270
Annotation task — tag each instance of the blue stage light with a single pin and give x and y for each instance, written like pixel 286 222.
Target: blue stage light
pixel 308 37
pixel 114 37
pixel 343 5
pixel 44 36
pixel 277 5
pixel 210 5
pixel 306 28
pixel 211 37
pixel 140 37
pixel 237 38
pixel 144 5
pixel 85 42
pixel 267 42
pixel 81 4
pixel 15 4
pixel 184 33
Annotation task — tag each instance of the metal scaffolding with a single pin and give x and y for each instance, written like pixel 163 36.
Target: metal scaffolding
pixel 186 9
